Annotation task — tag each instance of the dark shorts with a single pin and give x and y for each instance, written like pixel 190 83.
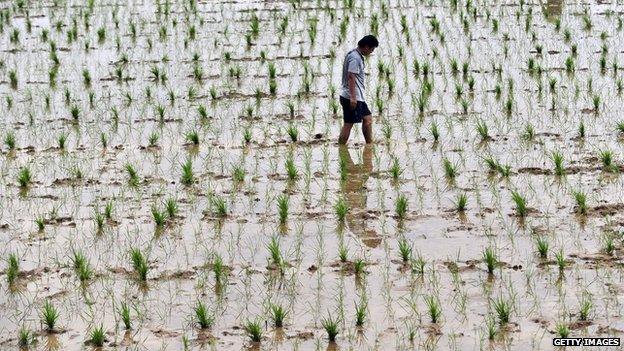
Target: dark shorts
pixel 354 115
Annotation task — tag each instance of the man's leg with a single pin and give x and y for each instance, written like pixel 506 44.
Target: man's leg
pixel 367 128
pixel 344 133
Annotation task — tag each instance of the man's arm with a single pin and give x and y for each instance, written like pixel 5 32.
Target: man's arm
pixel 351 81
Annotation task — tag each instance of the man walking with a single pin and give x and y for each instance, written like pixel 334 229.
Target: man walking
pixel 354 108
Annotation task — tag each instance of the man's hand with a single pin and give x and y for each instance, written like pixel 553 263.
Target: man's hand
pixel 353 103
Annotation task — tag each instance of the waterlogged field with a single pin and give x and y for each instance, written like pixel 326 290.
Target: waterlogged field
pixel 170 177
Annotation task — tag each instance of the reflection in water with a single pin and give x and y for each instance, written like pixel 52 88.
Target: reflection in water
pixel 552 9
pixel 355 194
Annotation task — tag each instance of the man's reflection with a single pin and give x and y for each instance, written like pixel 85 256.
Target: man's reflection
pixel 552 9
pixel 355 194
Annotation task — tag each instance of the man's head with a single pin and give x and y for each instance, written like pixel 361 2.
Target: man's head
pixel 368 44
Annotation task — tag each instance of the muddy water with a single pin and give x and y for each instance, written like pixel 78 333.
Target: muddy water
pixel 314 283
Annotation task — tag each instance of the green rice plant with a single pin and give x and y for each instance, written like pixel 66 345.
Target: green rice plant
pixel 341 208
pixel 160 217
pixel 282 208
pixel 293 133
pixel 358 266
pixel 253 330
pixel 342 164
pixel 450 169
pixel 25 338
pixel 433 308
pixel 405 250
pixel 278 314
pixel 12 271
pixel 24 177
pixel 418 265
pixel 75 112
pixel 521 203
pixel 13 79
pixel 274 251
pixel 86 78
pixel 331 327
pixel 482 129
pixel 563 330
pixel 435 133
pixel 509 106
pixel 585 307
pixel 97 336
pixel 247 135
pixel 490 259
pixel 596 103
pixel 218 268
pixel 192 137
pixel 606 156
pixel 133 176
pixel 238 174
pixel 203 318
pixel 291 169
pixel 101 34
pixel 84 271
pixel 492 330
pixel 219 206
pixel 401 206
pixel 99 219
pixel 542 246
pixel 124 313
pixel 557 159
pixel 581 201
pixel 608 244
pixel 569 65
pixel 396 169
pixel 139 263
pixel 360 313
pixel 462 202
pixel 9 140
pixel 108 210
pixel 49 315
pixel 343 253
pixel 529 132
pixel 503 309
pixel 171 207
pixel 187 173
pixel 560 259
pixel 581 130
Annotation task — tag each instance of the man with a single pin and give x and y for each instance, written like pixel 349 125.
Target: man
pixel 354 108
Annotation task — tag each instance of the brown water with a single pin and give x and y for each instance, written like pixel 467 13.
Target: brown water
pixel 313 283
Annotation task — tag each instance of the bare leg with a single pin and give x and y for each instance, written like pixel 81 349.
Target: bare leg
pixel 367 128
pixel 344 133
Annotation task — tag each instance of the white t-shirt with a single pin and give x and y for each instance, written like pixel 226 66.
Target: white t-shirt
pixel 353 63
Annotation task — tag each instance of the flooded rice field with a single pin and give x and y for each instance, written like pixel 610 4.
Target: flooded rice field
pixel 170 176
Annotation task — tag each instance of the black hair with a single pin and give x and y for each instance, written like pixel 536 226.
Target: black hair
pixel 368 41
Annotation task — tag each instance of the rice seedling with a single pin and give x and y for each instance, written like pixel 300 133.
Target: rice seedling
pixel 13 79
pixel 341 208
pixel 124 314
pixel 24 177
pixel 563 330
pixel 560 259
pixel 278 314
pixel 542 246
pixel 254 331
pixel 331 327
pixel 360 313
pixel 275 252
pixel 492 330
pixel 203 318
pixel 282 208
pixel 557 159
pixel 139 263
pixel 171 207
pixel 490 259
pixel 291 169
pixel 193 137
pixel 606 157
pixel 395 169
pixel 581 202
pixel 461 202
pixel 153 139
pixel 450 169
pixel 585 307
pixel 358 266
pixel 405 250
pixel 482 129
pixel 520 202
pixel 97 336
pixel 219 206
pixel 503 309
pixel 401 206
pixel 293 133
pixel 9 140
pixel 25 338
pixel 12 270
pixel 433 308
pixel 133 175
pixel 49 315
pixel 608 245
pixel 160 217
pixel 343 253
pixel 418 265
pixel 188 177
